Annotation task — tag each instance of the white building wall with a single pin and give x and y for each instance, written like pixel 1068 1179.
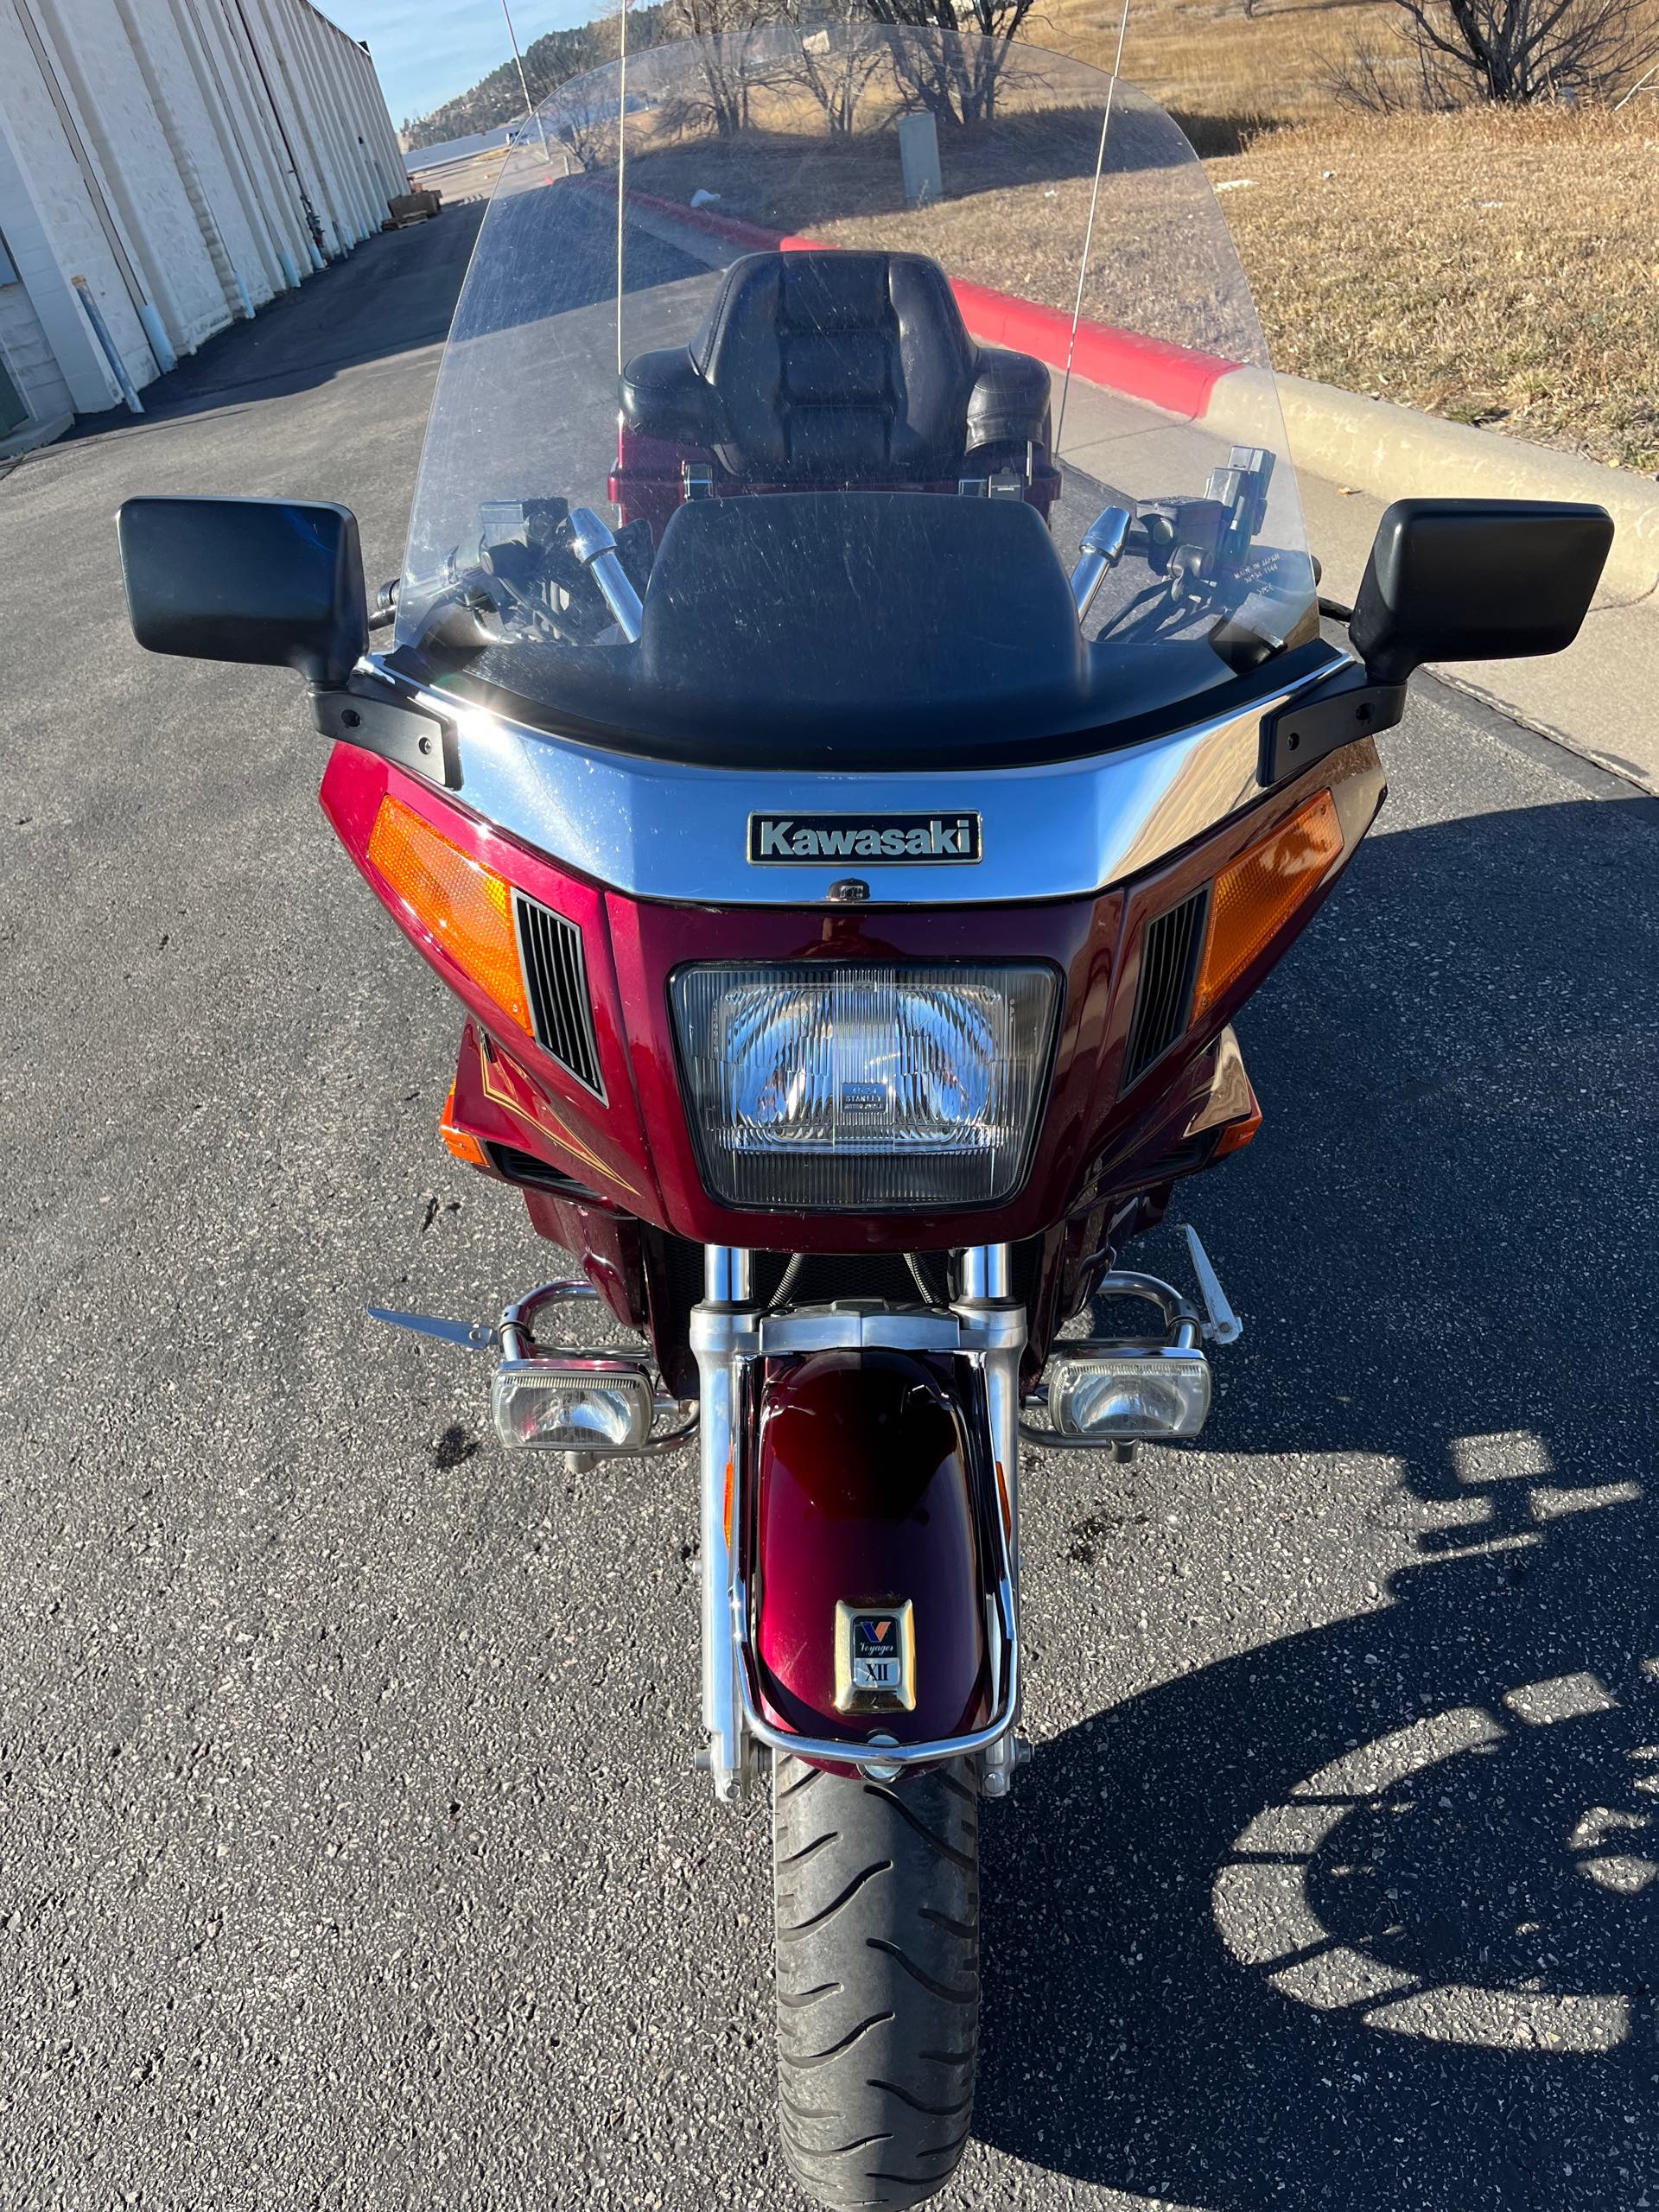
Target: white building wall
pixel 30 356
pixel 27 351
pixel 50 201
pixel 270 174
pixel 229 149
pixel 125 136
pixel 386 156
pixel 188 159
pixel 350 181
pixel 273 27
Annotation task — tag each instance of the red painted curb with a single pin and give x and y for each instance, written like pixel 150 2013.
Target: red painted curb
pixel 1172 376
pixel 754 236
pixel 1177 378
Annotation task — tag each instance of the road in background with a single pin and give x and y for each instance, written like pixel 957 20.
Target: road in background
pixel 470 177
pixel 350 1852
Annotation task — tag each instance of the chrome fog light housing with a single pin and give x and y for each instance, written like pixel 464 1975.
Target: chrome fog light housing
pixel 1129 1390
pixel 572 1405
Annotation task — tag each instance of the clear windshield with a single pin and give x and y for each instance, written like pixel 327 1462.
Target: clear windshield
pixel 764 425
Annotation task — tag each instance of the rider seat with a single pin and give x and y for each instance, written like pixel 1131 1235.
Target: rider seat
pixel 821 368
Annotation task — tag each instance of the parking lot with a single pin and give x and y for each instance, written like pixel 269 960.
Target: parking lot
pixel 350 1850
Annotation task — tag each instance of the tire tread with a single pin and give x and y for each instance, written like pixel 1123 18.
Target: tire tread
pixel 876 1892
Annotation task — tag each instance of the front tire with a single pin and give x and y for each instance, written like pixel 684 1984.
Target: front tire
pixel 876 1908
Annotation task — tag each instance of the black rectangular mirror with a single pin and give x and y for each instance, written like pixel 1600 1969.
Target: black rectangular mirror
pixel 1476 580
pixel 273 580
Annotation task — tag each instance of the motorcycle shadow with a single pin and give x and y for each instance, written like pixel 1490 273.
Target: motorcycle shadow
pixel 1366 1917
pixel 1252 1941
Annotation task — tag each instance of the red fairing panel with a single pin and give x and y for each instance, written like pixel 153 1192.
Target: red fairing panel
pixel 871 1486
pixel 635 1151
pixel 630 949
pixel 1078 936
pixel 599 1144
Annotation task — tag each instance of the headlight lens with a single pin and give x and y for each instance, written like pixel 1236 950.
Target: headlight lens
pixel 570 1406
pixel 1136 1391
pixel 819 1088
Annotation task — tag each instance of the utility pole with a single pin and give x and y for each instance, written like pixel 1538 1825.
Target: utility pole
pixel 524 81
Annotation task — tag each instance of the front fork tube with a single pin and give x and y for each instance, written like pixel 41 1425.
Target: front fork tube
pixel 726 1340
pixel 997 1324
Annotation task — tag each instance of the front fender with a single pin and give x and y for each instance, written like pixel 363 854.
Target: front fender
pixel 873 1490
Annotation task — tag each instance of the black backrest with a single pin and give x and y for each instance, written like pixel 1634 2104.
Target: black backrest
pixel 845 364
pixel 824 366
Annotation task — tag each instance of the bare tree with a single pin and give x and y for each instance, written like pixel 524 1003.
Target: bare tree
pixel 590 135
pixel 1520 50
pixel 956 80
pixel 1406 81
pixel 727 34
pixel 840 50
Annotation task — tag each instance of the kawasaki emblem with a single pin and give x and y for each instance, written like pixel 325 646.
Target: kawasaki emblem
pixel 877 840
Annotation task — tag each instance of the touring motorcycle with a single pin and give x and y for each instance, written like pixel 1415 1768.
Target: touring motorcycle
pixel 849 899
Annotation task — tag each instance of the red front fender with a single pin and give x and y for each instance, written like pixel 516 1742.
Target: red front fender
pixel 874 1485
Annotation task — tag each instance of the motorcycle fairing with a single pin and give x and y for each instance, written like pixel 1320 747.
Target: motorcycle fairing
pixel 635 1151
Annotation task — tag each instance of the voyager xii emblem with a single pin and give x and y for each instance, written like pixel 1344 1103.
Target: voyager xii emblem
pixel 875 1658
pixel 877 839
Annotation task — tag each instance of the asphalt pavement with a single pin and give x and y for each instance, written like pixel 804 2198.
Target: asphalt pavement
pixel 350 1852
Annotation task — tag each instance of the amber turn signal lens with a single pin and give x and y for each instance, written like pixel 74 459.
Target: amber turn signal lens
pixel 1238 1136
pixel 1254 897
pixel 467 908
pixel 464 1145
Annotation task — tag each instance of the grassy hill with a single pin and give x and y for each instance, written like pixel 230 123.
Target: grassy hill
pixel 549 61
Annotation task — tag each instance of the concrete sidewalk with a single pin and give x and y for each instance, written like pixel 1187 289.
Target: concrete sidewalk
pixel 1601 698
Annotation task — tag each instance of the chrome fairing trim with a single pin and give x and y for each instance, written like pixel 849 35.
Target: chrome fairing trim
pixel 662 830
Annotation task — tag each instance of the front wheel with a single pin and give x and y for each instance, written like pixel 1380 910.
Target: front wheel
pixel 875 1893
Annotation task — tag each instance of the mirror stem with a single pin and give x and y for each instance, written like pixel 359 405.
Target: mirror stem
pixel 1102 549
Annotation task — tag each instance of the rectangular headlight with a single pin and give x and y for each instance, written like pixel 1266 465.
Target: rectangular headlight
pixel 815 1087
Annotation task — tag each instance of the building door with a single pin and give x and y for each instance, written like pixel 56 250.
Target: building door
pixel 12 408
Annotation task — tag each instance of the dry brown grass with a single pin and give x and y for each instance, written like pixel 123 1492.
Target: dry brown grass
pixel 1227 74
pixel 1208 61
pixel 1013 216
pixel 1494 266
pixel 1233 74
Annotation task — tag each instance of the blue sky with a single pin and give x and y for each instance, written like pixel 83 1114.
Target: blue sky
pixel 427 51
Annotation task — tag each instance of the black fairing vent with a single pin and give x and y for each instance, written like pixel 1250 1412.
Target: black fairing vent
pixel 556 977
pixel 524 1167
pixel 1169 959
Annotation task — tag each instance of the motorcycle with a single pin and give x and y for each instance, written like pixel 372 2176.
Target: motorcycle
pixel 849 903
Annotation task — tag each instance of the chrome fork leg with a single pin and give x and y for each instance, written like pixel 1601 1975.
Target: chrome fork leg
pixel 999 1325
pixel 723 1336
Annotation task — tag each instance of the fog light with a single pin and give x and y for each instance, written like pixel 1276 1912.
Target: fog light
pixel 571 1405
pixel 1129 1390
